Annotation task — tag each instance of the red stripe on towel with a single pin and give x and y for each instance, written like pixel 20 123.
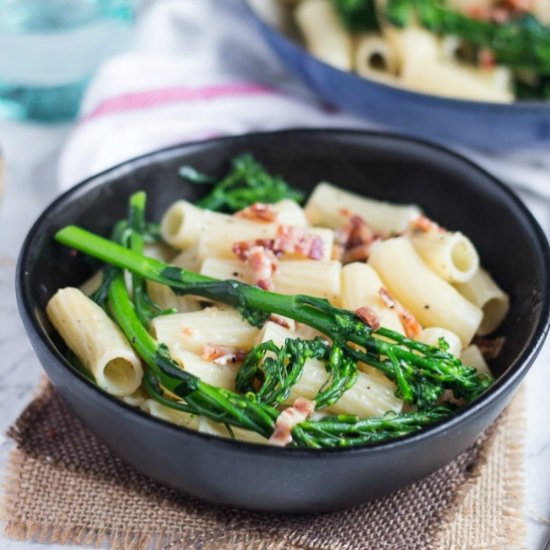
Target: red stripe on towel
pixel 147 99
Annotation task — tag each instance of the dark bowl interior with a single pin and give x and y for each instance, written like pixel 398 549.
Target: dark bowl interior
pixel 449 188
pixel 492 126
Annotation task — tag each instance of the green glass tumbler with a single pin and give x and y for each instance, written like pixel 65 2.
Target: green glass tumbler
pixel 49 49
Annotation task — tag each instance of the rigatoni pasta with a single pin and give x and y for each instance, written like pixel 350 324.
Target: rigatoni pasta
pixel 473 357
pixel 317 278
pixel 375 57
pixel 482 291
pixel 96 340
pixel 214 326
pixel 175 417
pixel 330 206
pixel 325 36
pixel 427 64
pixel 183 223
pixel 219 238
pixel 433 336
pixel 289 212
pixel 361 287
pixel 220 374
pixel 166 298
pixel 449 253
pixel 433 301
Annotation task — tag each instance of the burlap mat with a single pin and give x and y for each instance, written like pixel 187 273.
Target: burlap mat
pixel 64 486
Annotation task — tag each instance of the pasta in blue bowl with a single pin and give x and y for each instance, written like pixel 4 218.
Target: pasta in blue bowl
pixel 469 71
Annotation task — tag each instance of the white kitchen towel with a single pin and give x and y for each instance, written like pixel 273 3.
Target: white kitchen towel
pixel 199 69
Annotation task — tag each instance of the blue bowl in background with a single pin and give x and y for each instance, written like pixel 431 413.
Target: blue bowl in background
pixel 489 126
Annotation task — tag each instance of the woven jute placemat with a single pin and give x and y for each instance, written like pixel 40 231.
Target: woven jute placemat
pixel 63 486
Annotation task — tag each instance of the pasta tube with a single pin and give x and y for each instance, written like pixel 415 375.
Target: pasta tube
pixel 191 331
pixel 432 335
pixel 450 254
pixel 217 238
pixel 465 82
pixel 166 298
pixel 200 423
pixel 171 415
pixel 289 212
pixel 412 45
pixel 360 287
pixel 482 291
pixel 423 68
pixel 215 428
pixel 219 375
pixel 369 396
pixel 323 33
pixel 473 357
pixel 137 399
pixel 188 258
pixel 375 57
pixel 183 223
pixel 541 8
pixel 90 285
pixel 316 278
pixel 433 301
pixel 330 206
pixel 96 340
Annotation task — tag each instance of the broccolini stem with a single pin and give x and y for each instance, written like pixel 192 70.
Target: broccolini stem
pixel 136 222
pixel 134 237
pixel 345 430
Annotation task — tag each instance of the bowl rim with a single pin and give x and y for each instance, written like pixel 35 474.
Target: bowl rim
pixel 514 372
pixel 518 107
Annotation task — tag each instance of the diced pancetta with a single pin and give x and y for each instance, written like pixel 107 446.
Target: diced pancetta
pixel 369 317
pixel 263 264
pixel 353 240
pixel 261 260
pixel 288 240
pixel 285 322
pixel 222 355
pixel 258 212
pixel 412 327
pixel 286 421
pixel 424 225
pixel 298 240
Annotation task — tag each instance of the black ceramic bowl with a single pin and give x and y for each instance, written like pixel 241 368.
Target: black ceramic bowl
pixel 449 188
pixel 494 126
